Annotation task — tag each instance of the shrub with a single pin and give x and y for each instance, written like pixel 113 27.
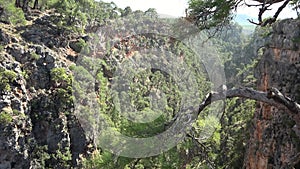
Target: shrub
pixel 1 48
pixel 63 157
pixel 16 112
pixel 34 56
pixel 11 14
pixel 5 118
pixel 40 153
pixel 80 46
pixel 59 75
pixel 6 77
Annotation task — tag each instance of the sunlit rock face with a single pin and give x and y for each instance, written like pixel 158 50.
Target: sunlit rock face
pixel 275 137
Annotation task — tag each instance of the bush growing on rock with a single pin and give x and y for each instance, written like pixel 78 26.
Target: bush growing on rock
pixel 11 14
pixel 60 77
pixel 6 77
pixel 80 46
pixel 5 118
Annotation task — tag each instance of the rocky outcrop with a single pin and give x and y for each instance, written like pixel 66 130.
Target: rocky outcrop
pixel 275 138
pixel 37 127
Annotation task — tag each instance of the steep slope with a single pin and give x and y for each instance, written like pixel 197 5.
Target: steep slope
pixel 37 128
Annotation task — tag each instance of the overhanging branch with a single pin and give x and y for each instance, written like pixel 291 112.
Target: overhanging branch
pixel 272 97
pixel 274 18
pixel 265 6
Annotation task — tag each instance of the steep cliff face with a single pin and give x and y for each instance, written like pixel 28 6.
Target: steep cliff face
pixel 275 140
pixel 37 128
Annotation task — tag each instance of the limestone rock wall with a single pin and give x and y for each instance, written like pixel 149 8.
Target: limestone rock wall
pixel 275 139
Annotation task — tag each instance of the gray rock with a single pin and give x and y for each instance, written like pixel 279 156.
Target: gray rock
pixel 40 127
pixel 4 38
pixel 277 68
pixel 16 104
pixel 5 165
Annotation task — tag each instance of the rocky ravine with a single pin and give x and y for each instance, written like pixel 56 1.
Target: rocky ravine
pixel 36 130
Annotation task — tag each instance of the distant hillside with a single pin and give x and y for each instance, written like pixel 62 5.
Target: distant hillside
pixel 242 20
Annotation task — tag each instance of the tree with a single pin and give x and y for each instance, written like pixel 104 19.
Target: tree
pixel 126 11
pixel 151 12
pixel 217 13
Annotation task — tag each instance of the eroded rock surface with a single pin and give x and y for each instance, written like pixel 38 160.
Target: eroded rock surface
pixel 37 129
pixel 275 139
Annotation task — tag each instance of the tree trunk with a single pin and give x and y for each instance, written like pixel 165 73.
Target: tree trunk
pixel 18 3
pixel 36 4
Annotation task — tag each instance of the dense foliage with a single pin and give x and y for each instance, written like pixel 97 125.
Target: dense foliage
pixel 212 142
pixel 218 13
pixel 225 143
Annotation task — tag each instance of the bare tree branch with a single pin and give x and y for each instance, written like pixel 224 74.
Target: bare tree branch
pixel 274 18
pixel 272 97
pixel 264 6
pixel 251 21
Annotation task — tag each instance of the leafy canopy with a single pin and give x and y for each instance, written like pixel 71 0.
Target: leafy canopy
pixel 217 13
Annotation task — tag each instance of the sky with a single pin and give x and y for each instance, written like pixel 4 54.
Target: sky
pixel 177 8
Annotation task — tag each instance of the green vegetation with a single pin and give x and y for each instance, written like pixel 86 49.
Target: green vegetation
pixel 16 112
pixel 63 90
pixel 1 48
pixel 80 46
pixel 83 15
pixel 5 118
pixel 207 18
pixel 34 56
pixel 218 13
pixel 6 78
pixel 137 89
pixel 40 153
pixel 63 159
pixel 98 87
pixel 10 13
pixel 59 75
